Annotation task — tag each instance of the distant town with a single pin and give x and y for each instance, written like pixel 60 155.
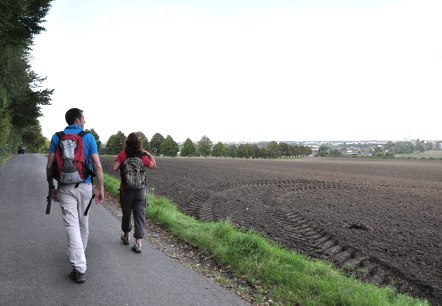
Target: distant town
pixel 372 148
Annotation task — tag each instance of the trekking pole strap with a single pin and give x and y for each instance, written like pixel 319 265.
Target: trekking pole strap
pixel 89 205
pixel 93 196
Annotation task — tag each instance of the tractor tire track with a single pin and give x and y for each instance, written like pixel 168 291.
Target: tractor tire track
pixel 295 231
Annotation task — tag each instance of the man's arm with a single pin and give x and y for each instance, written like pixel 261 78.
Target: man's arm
pixel 49 176
pixel 50 165
pixel 98 170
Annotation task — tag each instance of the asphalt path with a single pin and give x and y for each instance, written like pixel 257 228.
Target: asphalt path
pixel 34 265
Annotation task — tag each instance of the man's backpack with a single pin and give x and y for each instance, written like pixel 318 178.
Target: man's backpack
pixel 70 165
pixel 133 173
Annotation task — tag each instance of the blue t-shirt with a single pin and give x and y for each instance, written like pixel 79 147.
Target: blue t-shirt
pixel 89 143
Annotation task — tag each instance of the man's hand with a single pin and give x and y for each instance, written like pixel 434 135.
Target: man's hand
pixel 99 196
pixel 54 195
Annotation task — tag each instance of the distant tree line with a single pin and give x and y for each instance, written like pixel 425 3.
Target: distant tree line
pixel 159 145
pixel 21 95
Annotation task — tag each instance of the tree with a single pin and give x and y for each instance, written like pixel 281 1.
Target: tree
pixel 20 21
pixel 33 139
pixel 188 149
pixel 273 150
pixel 97 138
pixel 204 146
pixel 305 151
pixel 255 151
pixel 232 151
pixel 155 143
pixel 20 93
pixel 218 150
pixel 243 150
pixel 5 121
pixel 115 144
pixel 25 107
pixel 169 147
pixel 323 151
pixel 284 149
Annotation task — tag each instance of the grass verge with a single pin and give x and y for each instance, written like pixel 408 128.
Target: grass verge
pixel 284 277
pixel 4 156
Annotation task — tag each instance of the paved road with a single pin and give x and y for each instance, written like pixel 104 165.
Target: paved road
pixel 34 266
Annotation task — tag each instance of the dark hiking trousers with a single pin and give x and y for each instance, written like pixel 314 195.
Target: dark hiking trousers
pixel 134 201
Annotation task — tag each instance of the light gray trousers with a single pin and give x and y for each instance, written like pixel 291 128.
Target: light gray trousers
pixel 73 203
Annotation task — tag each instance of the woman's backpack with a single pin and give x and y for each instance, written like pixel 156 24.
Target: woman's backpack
pixel 133 173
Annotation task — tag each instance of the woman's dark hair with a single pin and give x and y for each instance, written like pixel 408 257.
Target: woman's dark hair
pixel 133 145
pixel 72 115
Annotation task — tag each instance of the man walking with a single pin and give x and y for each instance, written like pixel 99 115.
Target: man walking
pixel 75 197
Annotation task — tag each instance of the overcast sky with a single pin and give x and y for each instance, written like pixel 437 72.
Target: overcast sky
pixel 243 70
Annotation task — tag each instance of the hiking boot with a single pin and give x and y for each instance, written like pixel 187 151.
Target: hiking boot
pixel 76 276
pixel 137 247
pixel 125 239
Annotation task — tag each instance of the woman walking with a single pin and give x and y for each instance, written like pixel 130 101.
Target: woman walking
pixel 131 163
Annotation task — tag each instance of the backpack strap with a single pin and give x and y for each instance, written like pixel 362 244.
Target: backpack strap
pixel 59 134
pixel 91 172
pixel 82 133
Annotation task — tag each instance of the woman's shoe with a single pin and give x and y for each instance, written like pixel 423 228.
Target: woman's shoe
pixel 125 239
pixel 137 247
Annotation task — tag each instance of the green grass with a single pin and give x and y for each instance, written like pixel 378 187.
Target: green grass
pixel 281 275
pixel 4 156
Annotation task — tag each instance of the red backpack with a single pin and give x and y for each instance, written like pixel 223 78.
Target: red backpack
pixel 70 165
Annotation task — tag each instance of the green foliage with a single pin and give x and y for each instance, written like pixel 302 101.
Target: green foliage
pixel 155 143
pixel 25 107
pixel 21 95
pixel 188 149
pixel 115 144
pixel 5 154
pixel 112 185
pixel 322 151
pixel 204 147
pixel 389 154
pixel 303 151
pixel 33 139
pixel 255 151
pixel 232 151
pixel 5 121
pixel 97 138
pixel 20 21
pixel 273 150
pixel 284 149
pixel 244 150
pixel 218 150
pixel 169 147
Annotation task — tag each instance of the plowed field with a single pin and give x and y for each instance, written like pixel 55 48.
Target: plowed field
pixel 380 220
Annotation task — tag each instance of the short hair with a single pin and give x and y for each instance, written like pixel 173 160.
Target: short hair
pixel 72 115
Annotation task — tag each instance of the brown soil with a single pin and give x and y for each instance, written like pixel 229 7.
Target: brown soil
pixel 377 219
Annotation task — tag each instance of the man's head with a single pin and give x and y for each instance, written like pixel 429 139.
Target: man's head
pixel 75 116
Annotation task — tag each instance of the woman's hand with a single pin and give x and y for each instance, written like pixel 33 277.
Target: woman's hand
pixel 146 153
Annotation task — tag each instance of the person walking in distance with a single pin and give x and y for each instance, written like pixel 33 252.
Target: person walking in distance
pixel 131 163
pixel 75 192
